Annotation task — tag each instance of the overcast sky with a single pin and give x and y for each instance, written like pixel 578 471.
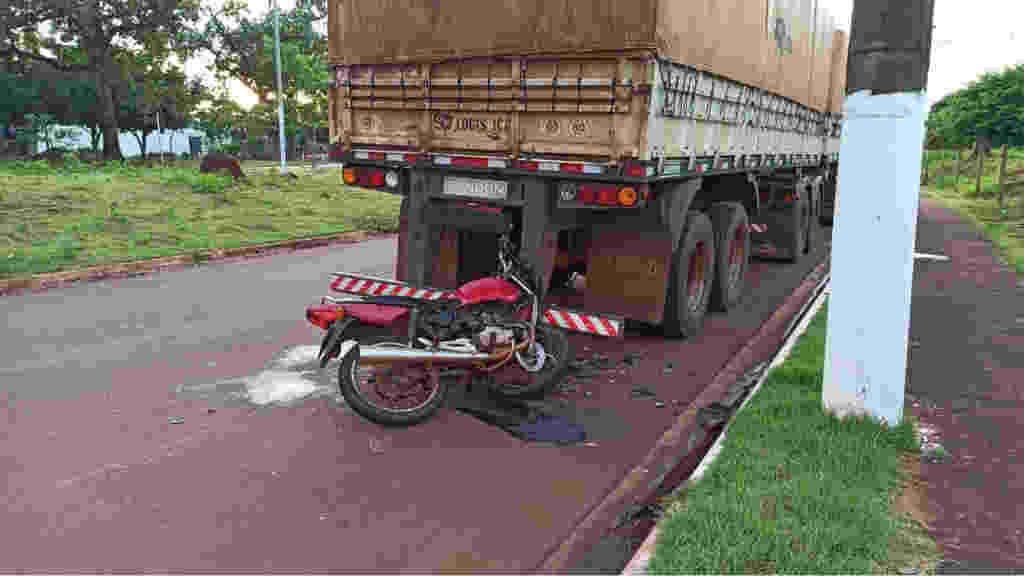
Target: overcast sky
pixel 971 36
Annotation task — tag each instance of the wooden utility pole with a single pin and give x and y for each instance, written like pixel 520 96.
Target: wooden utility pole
pixel 876 222
pixel 956 174
pixel 1002 175
pixel 981 169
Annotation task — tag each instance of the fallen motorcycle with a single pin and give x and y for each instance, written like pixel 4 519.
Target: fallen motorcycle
pixel 399 353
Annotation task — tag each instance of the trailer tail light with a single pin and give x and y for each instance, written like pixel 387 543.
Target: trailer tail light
pixel 601 194
pixel 377 179
pixel 627 196
pixel 349 175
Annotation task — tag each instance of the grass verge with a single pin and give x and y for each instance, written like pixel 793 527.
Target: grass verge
pixel 797 490
pixel 1005 232
pixel 78 215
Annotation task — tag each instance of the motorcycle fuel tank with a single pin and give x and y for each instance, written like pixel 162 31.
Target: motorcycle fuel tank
pixel 487 290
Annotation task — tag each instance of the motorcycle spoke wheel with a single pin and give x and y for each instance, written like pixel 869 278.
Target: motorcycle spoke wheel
pixel 400 389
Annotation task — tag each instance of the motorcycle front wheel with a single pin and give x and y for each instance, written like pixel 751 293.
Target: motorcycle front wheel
pixel 391 395
pixel 515 382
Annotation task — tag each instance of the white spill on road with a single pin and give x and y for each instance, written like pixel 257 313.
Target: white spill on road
pixel 298 356
pixel 293 375
pixel 281 386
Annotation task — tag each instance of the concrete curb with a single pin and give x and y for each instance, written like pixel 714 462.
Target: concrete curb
pixel 42 282
pixel 641 560
pixel 673 445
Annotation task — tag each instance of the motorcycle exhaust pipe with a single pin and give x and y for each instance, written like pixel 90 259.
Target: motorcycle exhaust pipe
pixel 389 355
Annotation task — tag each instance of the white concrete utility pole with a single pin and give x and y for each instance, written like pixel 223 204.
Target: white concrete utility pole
pixel 875 229
pixel 280 97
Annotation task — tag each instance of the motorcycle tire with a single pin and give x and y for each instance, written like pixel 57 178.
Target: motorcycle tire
pixel 350 391
pixel 556 344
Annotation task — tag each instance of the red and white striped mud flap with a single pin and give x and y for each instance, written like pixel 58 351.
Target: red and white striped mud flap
pixel 604 325
pixel 372 286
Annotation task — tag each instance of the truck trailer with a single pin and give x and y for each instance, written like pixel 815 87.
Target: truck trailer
pixel 637 150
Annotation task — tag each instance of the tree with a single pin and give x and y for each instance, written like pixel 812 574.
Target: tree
pixel 86 36
pixel 218 116
pixel 990 108
pixel 153 87
pixel 242 47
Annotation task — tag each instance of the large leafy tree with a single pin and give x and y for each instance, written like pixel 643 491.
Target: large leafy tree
pixel 243 49
pixel 990 109
pixel 89 37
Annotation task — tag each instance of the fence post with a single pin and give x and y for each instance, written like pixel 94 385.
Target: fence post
pixel 1002 174
pixel 981 168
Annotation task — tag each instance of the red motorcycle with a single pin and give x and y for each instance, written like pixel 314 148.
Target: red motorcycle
pixel 489 327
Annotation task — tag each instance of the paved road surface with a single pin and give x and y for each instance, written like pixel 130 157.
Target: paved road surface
pixel 129 444
pixel 966 374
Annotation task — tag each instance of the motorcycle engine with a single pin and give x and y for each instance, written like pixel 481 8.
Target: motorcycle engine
pixel 493 336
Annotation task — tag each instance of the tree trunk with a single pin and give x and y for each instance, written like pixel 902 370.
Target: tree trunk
pixel 95 133
pixel 108 117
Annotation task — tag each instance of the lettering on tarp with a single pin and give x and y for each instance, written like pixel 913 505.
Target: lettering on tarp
pixel 493 127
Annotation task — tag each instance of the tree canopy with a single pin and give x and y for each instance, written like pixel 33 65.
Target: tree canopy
pixel 991 107
pixel 93 41
pixel 243 49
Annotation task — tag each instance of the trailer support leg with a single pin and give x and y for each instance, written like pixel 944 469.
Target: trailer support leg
pixel 539 242
pixel 417 253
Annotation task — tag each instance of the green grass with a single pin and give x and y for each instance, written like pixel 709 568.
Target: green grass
pixel 79 215
pixel 1005 232
pixel 795 489
pixel 1004 229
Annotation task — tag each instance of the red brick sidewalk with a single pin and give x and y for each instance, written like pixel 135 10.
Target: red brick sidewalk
pixel 966 379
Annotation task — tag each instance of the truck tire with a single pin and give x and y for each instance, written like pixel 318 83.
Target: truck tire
pixel 794 225
pixel 691 278
pixel 731 225
pixel 813 215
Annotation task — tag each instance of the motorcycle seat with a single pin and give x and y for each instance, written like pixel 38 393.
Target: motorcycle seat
pixel 376 314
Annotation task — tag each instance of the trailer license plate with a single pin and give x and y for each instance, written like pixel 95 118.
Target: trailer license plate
pixel 486 189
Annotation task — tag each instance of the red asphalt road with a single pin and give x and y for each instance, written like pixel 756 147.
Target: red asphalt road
pixel 102 480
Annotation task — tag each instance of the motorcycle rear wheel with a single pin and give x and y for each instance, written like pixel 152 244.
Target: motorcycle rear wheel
pixel 557 349
pixel 352 385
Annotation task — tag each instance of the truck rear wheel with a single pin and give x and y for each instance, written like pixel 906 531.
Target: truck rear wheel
pixel 691 279
pixel 732 258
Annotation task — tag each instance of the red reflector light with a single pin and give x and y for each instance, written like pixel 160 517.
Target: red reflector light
pixel 636 171
pixel 531 166
pixel 471 162
pixel 377 179
pixel 608 196
pixel 411 158
pixel 379 156
pixel 572 168
pixel 587 194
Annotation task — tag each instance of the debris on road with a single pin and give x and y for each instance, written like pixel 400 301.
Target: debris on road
pixel 176 420
pixel 376 446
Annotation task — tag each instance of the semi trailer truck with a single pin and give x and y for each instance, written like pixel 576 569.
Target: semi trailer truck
pixel 637 151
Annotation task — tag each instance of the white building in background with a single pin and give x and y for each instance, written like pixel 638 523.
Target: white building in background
pixel 176 141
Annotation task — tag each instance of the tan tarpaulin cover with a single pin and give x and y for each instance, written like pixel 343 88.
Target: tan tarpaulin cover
pixel 840 55
pixel 766 43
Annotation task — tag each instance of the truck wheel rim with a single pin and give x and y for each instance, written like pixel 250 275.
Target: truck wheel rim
pixel 737 253
pixel 695 279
